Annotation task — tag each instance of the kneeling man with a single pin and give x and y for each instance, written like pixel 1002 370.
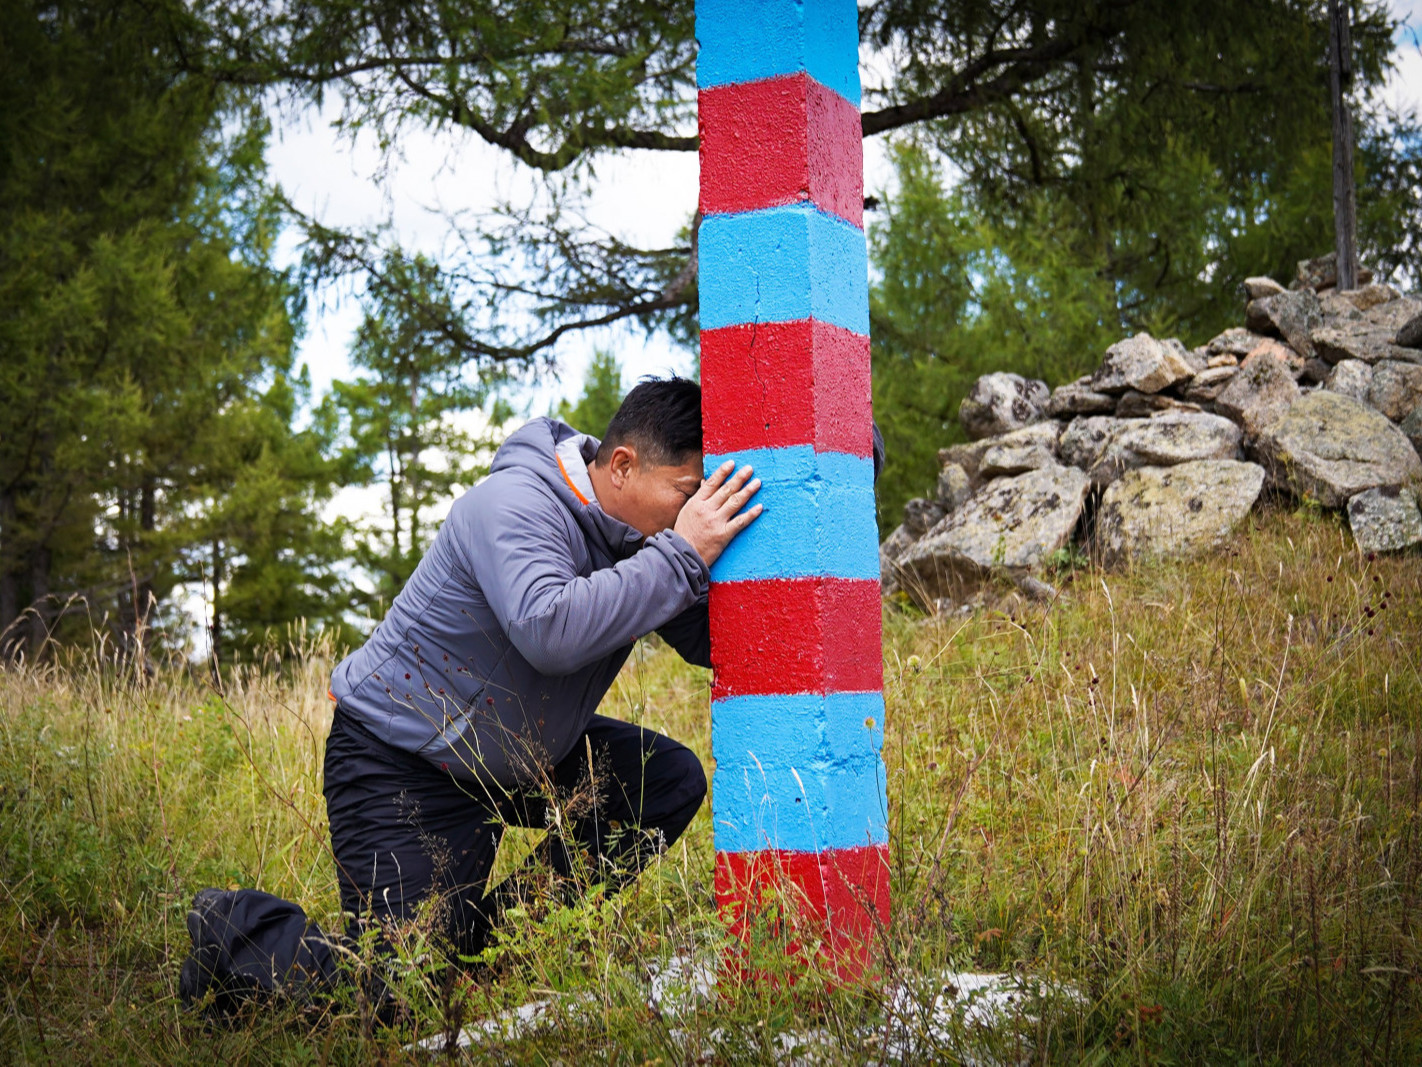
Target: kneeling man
pixel 473 704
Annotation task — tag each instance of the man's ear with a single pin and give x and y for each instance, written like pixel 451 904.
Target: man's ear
pixel 620 465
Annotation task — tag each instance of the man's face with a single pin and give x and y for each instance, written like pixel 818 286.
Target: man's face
pixel 649 497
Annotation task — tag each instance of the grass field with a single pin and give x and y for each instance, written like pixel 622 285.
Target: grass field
pixel 1189 792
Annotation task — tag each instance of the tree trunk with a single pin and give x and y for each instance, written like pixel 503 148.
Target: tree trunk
pixel 396 472
pixel 40 562
pixel 411 469
pixel 1340 81
pixel 214 632
pixel 414 492
pixel 143 599
pixel 9 579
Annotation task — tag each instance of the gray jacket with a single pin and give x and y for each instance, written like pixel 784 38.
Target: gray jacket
pixel 498 650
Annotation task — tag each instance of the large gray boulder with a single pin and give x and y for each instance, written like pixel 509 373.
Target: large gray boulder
pixel 1258 288
pixel 1321 272
pixel 1208 384
pixel 1394 315
pixel 1236 341
pixel 1175 511
pixel 1352 378
pixel 1134 405
pixel 1144 364
pixel 1331 448
pixel 1411 427
pixel 954 487
pixel 1164 441
pixel 922 515
pixel 1293 315
pixel 1409 334
pixel 1028 449
pixel 1385 520
pixel 970 456
pixel 1001 402
pixel 1078 398
pixel 1396 388
pixel 890 552
pixel 1364 343
pixel 1260 393
pixel 1084 440
pixel 1011 524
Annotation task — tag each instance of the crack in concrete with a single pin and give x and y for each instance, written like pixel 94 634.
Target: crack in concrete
pixel 755 366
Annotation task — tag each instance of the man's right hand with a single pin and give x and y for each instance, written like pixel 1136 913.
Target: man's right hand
pixel 711 518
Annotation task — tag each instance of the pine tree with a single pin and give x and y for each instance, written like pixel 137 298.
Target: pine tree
pixel 140 316
pixel 418 421
pixel 255 541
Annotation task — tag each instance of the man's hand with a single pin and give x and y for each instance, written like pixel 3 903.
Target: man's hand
pixel 710 519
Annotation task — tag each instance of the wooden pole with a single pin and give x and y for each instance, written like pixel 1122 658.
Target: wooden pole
pixel 1340 81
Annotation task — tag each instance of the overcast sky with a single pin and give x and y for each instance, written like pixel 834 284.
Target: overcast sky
pixel 644 197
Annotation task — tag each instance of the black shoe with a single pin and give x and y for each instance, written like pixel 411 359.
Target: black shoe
pixel 198 975
pixel 192 983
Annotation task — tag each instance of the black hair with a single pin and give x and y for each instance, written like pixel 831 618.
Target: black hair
pixel 661 419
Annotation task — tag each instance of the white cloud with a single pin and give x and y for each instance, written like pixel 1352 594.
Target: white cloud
pixel 1404 88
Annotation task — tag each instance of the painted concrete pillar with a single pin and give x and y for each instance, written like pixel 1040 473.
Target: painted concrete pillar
pixel 798 797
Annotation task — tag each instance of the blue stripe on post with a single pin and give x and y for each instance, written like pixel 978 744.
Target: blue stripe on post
pixel 781 264
pixel 801 729
pixel 743 42
pixel 818 517
pixel 813 808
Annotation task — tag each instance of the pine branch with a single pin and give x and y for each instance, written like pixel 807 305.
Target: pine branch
pixel 339 253
pixel 964 93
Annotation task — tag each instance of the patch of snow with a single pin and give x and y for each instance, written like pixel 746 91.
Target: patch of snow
pixel 924 1017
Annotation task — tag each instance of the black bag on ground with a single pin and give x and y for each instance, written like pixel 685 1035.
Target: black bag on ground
pixel 250 946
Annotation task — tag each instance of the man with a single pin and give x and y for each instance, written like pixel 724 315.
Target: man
pixel 473 704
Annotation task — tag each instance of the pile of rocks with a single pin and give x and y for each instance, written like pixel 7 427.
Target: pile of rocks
pixel 1163 450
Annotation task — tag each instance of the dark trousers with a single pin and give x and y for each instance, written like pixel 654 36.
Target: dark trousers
pixel 408 835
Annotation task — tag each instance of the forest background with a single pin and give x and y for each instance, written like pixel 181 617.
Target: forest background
pixel 1049 176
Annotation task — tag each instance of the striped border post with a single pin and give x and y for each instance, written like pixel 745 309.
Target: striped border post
pixel 797 713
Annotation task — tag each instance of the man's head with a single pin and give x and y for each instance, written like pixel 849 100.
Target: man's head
pixel 649 463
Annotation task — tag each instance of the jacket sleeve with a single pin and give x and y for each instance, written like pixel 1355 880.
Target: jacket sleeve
pixel 690 634
pixel 560 621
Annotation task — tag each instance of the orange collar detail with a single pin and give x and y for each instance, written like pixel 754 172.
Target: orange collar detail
pixel 564 470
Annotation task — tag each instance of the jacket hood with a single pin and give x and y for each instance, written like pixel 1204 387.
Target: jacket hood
pixel 532 448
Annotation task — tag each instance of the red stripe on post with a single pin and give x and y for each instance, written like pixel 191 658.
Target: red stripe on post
pixel 853 625
pixel 797 635
pixel 773 384
pixel 839 898
pixel 836 154
pixel 780 141
pixel 844 409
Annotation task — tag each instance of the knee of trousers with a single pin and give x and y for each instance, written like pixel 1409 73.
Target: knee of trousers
pixel 683 788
